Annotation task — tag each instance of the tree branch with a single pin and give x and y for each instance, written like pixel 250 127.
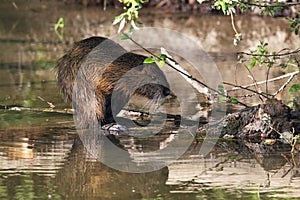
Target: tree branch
pixel 270 55
pixel 267 4
pixel 262 82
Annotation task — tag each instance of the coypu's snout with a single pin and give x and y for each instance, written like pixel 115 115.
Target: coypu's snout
pixel 153 91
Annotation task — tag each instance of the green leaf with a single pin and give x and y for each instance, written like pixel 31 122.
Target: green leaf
pixel 223 7
pixel 233 100
pixel 233 10
pixel 118 19
pixel 161 63
pixel 223 99
pixel 149 60
pixel 59 24
pixel 27 103
pixel 294 88
pixel 283 65
pixel 59 28
pixel 163 56
pixel 252 64
pixel 131 29
pixel 221 89
pixel 124 36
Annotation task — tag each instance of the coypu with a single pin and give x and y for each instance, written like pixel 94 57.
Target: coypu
pixel 105 63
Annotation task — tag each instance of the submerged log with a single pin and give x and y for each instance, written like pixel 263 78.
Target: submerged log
pixel 260 128
pixel 265 121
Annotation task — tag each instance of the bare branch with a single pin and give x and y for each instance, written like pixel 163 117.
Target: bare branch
pixel 267 4
pixel 292 74
pixel 195 84
pixel 245 88
pixel 270 55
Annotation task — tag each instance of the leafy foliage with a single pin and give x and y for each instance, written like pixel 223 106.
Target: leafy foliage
pixel 131 13
pixel 224 97
pixel 124 36
pixel 295 88
pixel 160 60
pixel 59 28
pixel 265 7
pixel 261 56
pixel 227 6
pixel 295 24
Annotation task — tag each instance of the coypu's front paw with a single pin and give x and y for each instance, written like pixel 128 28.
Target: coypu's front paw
pixel 115 129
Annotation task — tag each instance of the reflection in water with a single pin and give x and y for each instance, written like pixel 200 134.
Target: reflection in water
pixel 18 150
pixel 232 166
pixel 61 168
pixel 29 159
pixel 86 178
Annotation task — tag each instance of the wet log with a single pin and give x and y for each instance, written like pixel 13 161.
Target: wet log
pixel 265 124
pixel 264 130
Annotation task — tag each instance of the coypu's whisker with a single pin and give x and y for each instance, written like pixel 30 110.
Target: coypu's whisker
pixel 156 103
pixel 148 104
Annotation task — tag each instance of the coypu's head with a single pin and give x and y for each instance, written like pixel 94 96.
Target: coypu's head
pixel 154 84
pixel 129 75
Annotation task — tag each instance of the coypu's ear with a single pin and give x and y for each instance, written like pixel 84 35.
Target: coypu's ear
pixel 146 69
pixel 139 68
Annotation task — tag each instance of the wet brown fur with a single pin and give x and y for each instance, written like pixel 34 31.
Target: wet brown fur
pixel 103 67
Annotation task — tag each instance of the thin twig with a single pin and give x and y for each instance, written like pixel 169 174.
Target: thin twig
pixel 195 84
pixel 51 105
pixel 104 4
pixel 267 78
pixel 48 110
pixel 262 82
pixel 245 88
pixel 286 83
pixel 270 55
pixel 266 4
pixel 254 80
pixel 245 95
pixel 232 23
